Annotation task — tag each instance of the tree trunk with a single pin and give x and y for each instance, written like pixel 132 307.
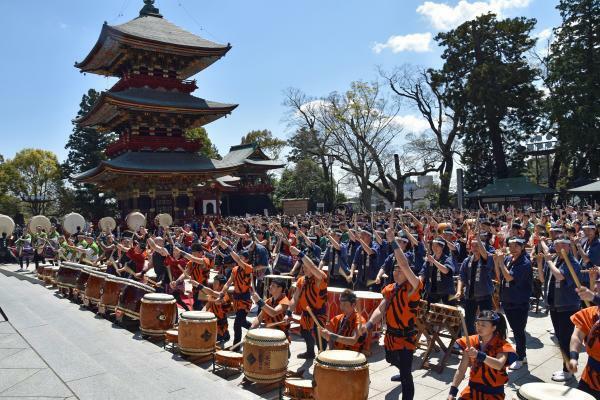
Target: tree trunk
pixel 399 183
pixel 445 179
pixel 497 147
pixel 365 197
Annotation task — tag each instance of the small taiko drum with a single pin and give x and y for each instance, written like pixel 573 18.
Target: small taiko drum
pixel 93 287
pixel 269 278
pixel 54 274
pixel 333 301
pixel 297 389
pixel 67 275
pixel 229 359
pixel 130 300
pixel 47 275
pixel 442 314
pixel 109 299
pixel 265 355
pixel 341 374
pixel 197 333
pixel 157 313
pixel 172 336
pixel 551 391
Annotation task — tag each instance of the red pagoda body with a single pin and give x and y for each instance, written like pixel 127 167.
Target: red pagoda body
pixel 152 167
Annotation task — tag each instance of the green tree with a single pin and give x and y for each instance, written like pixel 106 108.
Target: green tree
pixel 270 144
pixel 33 176
pixel 574 84
pixel 86 151
pixel 303 180
pixel 208 148
pixel 487 74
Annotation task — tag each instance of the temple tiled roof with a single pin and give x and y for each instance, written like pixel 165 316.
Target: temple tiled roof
pixel 511 187
pixel 167 98
pixel 249 154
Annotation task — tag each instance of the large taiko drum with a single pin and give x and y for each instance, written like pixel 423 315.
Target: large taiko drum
pixel 551 391
pixel 197 333
pixel 130 300
pixel 135 220
pixel 269 278
pixel 341 374
pixel 283 263
pixel 110 293
pixel 157 313
pixel 265 355
pixel 73 223
pixel 47 275
pixel 333 301
pixel 7 225
pixel 67 275
pixel 93 287
pixel 367 302
pixel 82 279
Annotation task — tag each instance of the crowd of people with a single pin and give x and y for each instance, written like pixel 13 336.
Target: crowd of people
pixel 489 262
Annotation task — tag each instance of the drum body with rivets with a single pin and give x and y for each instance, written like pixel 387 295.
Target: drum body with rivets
pixel 197 333
pixel 265 355
pixel 341 374
pixel 157 313
pixel 130 300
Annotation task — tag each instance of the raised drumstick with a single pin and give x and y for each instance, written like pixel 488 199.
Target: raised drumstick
pixel 316 321
pixel 572 271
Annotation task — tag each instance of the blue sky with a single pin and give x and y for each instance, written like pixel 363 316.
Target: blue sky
pixel 318 46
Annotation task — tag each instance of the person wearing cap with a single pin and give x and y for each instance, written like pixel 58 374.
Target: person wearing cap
pixel 272 311
pixel 437 273
pixel 587 332
pixel 241 278
pixel 310 293
pixel 514 271
pixel 336 260
pixel 399 308
pixel 488 354
pixel 589 249
pixel 454 246
pixel 561 296
pixel 219 306
pixel 365 262
pixel 343 330
pixel 475 279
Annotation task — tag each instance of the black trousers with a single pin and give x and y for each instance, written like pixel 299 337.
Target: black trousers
pixel 563 329
pixel 309 339
pixel 471 307
pixel 402 359
pixel 517 319
pixel 583 386
pixel 239 323
pixel 37 258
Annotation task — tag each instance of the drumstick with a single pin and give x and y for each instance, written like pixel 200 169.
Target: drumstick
pixel 573 275
pixel 272 324
pixel 464 326
pixel 235 346
pixel 316 321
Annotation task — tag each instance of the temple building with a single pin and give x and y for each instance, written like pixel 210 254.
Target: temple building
pixel 152 167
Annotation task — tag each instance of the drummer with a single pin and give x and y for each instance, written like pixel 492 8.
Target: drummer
pixel 220 306
pixel 311 292
pixel 343 330
pixel 197 270
pixel 437 273
pixel 488 353
pixel 273 310
pixel 365 261
pixel 587 331
pixel 399 308
pixel 159 256
pixel 336 259
pixel 24 250
pixel 516 285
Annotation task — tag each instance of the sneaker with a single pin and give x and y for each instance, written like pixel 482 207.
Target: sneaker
pixel 516 365
pixel 306 356
pixel 396 378
pixel 561 376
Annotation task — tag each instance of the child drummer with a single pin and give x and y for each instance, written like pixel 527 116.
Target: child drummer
pixel 343 330
pixel 399 308
pixel 273 310
pixel 488 353
pixel 220 307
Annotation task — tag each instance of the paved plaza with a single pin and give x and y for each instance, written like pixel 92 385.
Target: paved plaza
pixel 53 349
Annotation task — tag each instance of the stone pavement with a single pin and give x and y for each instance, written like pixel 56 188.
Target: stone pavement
pixel 74 357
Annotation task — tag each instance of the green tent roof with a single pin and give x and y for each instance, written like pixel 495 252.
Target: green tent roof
pixel 511 187
pixel 593 187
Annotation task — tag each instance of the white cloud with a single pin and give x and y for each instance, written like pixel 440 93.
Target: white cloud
pixel 417 42
pixel 444 17
pixel 545 34
pixel 411 123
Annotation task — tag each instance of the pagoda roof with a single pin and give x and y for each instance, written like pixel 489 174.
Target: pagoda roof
pixel 511 187
pixel 106 110
pixel 153 33
pixel 250 154
pixel 167 162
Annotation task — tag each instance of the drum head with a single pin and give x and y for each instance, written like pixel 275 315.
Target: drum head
pixel 39 220
pixel 107 224
pixel 344 358
pixel 266 333
pixel 335 290
pixel 158 297
pixel 95 272
pixel 299 383
pixel 164 220
pixel 198 315
pixel 550 391
pixel 229 354
pixel 135 220
pixel 72 221
pixel 7 225
pixel 368 295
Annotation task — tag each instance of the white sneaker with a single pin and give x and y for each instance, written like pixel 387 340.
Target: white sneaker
pixel 516 365
pixel 561 376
